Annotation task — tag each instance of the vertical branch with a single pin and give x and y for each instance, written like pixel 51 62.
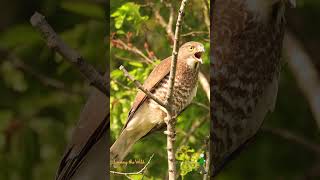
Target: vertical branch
pixel 170 124
pixel 206 14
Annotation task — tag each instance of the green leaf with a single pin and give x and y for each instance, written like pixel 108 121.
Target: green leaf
pixel 128 12
pixel 116 74
pixel 136 176
pixel 136 64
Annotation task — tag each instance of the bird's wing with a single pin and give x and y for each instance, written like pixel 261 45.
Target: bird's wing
pixel 157 74
pixel 91 127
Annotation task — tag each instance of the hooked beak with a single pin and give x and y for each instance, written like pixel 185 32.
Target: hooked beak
pixel 198 54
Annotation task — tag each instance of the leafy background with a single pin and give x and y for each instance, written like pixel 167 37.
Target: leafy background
pixel 41 94
pixel 134 23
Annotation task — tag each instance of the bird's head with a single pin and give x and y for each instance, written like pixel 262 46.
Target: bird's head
pixel 191 52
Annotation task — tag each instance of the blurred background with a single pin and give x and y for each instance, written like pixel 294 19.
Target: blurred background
pixel 288 146
pixel 41 94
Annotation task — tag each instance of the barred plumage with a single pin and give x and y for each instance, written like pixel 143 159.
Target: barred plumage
pixel 146 115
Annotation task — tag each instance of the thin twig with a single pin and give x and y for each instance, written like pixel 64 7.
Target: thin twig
pixel 168 27
pixel 206 175
pixel 201 105
pixel 170 124
pixel 118 43
pixel 285 134
pixel 195 125
pixel 194 33
pixel 140 86
pixel 206 14
pixel 71 55
pixel 134 173
pixel 164 24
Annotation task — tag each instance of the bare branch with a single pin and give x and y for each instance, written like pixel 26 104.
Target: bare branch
pixel 285 134
pixel 54 42
pixel 134 173
pixel 206 175
pixel 140 86
pixel 206 14
pixel 204 106
pixel 170 124
pixel 194 33
pixel 305 73
pixel 164 24
pixel 118 43
pixel 195 125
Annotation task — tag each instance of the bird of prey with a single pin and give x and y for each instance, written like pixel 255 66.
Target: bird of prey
pixel 246 48
pixel 146 115
pixel 86 156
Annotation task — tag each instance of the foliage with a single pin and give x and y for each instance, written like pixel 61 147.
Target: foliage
pixel 128 12
pixel 189 160
pixel 36 118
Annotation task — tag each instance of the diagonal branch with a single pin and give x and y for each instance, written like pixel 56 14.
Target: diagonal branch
pixel 54 42
pixel 140 86
pixel 287 135
pixel 118 43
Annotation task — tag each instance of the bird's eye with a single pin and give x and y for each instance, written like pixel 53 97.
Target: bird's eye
pixel 191 47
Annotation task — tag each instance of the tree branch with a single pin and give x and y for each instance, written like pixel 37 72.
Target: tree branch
pixel 195 125
pixel 118 43
pixel 285 134
pixel 54 42
pixel 206 14
pixel 305 73
pixel 134 173
pixel 140 86
pixel 164 24
pixel 170 124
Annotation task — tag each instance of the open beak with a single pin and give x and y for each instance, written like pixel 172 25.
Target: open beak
pixel 198 54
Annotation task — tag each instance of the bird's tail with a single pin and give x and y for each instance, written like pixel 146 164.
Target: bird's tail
pixel 123 145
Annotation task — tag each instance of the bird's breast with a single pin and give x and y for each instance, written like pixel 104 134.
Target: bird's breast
pixel 185 88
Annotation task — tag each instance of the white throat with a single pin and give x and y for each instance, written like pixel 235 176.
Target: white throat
pixel 192 62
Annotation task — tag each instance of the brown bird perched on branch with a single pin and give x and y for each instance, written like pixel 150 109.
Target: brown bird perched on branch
pixel 246 46
pixel 146 115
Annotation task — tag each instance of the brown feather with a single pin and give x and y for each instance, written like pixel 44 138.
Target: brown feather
pixel 93 123
pixel 157 74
